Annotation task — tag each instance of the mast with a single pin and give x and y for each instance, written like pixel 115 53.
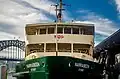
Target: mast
pixel 59 11
pixel 58 19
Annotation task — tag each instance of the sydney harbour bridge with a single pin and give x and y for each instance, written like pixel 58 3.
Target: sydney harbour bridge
pixel 11 53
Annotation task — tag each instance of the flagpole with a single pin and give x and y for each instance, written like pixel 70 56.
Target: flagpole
pixel 56 32
pixel 58 19
pixel 56 41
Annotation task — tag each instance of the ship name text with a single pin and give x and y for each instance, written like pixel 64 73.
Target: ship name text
pixel 82 65
pixel 36 64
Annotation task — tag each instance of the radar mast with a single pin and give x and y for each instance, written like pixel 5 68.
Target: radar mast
pixel 59 11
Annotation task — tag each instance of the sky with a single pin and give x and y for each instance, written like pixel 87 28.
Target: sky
pixel 15 14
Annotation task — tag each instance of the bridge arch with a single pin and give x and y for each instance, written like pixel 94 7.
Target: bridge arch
pixel 8 43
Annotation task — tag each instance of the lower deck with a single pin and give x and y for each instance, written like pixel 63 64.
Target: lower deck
pixel 58 67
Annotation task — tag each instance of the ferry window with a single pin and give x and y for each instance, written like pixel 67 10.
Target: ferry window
pixel 67 30
pixel 40 47
pixel 82 30
pixel 85 50
pixel 51 30
pixel 64 47
pixel 30 31
pixel 36 48
pixel 50 47
pixel 86 31
pixel 75 30
pixel 42 31
pixel 81 48
pixel 89 31
pixel 59 30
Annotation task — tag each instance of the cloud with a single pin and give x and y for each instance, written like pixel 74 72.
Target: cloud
pixel 103 26
pixel 118 5
pixel 15 14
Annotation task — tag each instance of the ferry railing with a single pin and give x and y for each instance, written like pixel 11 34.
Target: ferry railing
pixel 58 50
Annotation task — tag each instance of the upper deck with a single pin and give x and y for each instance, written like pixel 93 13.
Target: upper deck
pixel 70 32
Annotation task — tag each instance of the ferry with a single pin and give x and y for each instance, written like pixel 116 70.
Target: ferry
pixel 59 50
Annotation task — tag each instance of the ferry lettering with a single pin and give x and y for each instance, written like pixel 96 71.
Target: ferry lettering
pixel 81 70
pixel 81 65
pixel 59 36
pixel 36 64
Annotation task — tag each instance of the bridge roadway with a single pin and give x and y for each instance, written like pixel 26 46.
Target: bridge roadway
pixel 11 59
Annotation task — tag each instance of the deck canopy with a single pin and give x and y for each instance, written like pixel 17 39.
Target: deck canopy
pixel 112 44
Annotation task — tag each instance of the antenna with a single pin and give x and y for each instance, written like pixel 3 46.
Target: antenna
pixel 56 6
pixel 59 11
pixel 59 16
